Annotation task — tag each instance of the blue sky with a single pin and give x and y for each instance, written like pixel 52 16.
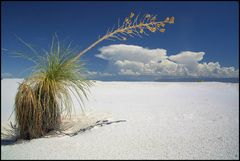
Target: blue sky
pixel 200 27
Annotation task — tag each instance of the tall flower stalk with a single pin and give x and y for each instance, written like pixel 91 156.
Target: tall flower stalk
pixel 132 26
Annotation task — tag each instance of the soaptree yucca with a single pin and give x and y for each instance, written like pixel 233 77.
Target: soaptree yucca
pixel 43 98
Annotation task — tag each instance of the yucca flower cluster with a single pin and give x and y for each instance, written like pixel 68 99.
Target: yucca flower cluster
pixel 133 25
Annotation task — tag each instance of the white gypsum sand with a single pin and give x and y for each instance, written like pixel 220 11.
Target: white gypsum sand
pixel 198 120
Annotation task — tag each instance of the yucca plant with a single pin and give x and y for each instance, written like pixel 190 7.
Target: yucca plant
pixel 43 98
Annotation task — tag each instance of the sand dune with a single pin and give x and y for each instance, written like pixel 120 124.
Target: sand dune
pixel 163 121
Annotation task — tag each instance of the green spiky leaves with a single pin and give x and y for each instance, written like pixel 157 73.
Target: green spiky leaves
pixel 45 97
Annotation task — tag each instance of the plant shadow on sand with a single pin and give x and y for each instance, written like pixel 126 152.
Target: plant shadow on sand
pixel 8 141
pixel 12 137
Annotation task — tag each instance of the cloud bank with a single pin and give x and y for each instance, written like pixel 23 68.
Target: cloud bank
pixel 136 60
pixel 7 75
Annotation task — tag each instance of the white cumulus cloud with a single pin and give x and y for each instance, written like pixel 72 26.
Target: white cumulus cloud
pixel 7 75
pixel 187 57
pixel 131 53
pixel 93 74
pixel 137 60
